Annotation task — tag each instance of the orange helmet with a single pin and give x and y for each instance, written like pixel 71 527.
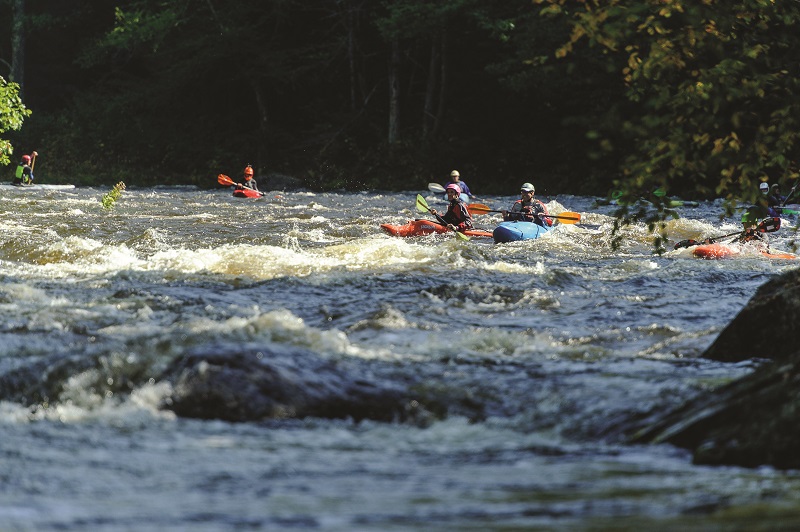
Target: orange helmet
pixel 248 171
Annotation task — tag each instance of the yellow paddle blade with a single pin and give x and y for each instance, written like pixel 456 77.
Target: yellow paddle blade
pixel 568 217
pixel 461 236
pixel 422 205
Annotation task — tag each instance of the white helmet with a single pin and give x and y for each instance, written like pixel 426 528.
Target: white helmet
pixel 527 187
pixel 764 187
pixel 455 173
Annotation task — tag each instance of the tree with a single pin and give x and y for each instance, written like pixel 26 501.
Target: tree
pixel 713 86
pixel 12 114
pixel 17 73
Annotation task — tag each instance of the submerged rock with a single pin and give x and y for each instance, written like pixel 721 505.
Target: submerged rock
pixel 253 384
pixel 755 420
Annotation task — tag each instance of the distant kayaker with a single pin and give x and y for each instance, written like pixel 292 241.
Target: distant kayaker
pixel 769 209
pixel 249 182
pixel 457 216
pixel 24 174
pixel 775 199
pixel 528 209
pixel 455 179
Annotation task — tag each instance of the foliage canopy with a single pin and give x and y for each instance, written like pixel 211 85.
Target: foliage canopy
pixel 12 115
pixel 712 87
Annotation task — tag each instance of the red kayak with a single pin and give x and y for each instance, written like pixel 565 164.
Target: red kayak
pixel 427 227
pixel 724 251
pixel 247 193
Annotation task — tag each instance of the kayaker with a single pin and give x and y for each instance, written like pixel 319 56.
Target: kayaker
pixel 455 179
pixel 528 209
pixel 24 173
pixel 756 232
pixel 775 199
pixel 249 182
pixel 457 216
pixel 769 209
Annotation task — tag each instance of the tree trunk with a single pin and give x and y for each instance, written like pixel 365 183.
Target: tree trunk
pixel 351 55
pixel 394 91
pixel 428 114
pixel 263 127
pixel 18 44
pixel 437 125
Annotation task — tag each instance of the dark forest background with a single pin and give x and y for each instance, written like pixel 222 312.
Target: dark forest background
pixel 698 98
pixel 176 92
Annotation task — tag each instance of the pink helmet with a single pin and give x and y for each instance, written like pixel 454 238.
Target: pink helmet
pixel 453 186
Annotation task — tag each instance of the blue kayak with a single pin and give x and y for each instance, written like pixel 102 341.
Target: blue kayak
pixel 514 231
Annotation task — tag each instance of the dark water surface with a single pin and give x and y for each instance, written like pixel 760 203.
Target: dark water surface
pixel 552 342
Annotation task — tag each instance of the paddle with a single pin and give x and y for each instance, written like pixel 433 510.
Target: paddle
pixel 222 179
pixel 436 187
pixel 787 196
pixel 767 225
pixel 567 217
pixel 422 206
pixel 33 163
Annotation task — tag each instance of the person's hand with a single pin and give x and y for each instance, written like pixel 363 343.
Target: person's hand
pixel 433 212
pixel 452 227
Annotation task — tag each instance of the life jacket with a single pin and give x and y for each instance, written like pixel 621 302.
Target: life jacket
pixel 23 174
pixel 458 215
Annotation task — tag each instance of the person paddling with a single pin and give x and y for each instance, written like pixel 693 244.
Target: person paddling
pixel 24 173
pixel 457 217
pixel 528 209
pixel 249 182
pixel 754 215
pixel 455 179
pixel 768 199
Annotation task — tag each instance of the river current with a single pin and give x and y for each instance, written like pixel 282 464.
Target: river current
pixel 536 349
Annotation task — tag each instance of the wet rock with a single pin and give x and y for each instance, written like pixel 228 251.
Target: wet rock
pixel 750 422
pixel 754 420
pixel 767 327
pixel 253 384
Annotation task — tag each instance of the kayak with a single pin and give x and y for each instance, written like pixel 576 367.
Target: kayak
pixel 793 209
pixel 247 193
pixel 515 231
pixel 427 227
pixel 724 251
pixel 37 186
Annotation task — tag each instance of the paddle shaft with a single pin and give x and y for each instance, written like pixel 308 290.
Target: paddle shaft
pixel 791 192
pixel 768 225
pixel 571 217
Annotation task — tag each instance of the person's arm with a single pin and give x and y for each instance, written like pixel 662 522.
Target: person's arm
pixel 466 217
pixel 543 211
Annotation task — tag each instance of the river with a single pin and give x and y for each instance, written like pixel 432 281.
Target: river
pixel 533 349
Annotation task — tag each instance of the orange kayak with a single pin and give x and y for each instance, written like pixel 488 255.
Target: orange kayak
pixel 724 251
pixel 247 193
pixel 427 227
